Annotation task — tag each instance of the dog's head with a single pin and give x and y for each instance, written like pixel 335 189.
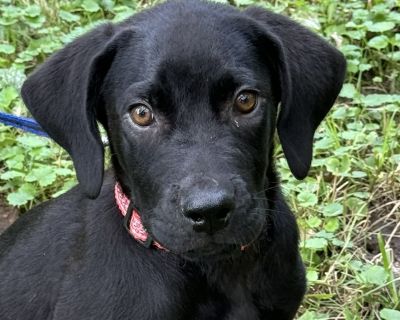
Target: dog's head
pixel 188 93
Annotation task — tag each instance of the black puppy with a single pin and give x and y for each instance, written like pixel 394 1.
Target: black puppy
pixel 188 93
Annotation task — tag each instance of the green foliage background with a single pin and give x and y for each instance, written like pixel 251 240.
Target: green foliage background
pixel 352 194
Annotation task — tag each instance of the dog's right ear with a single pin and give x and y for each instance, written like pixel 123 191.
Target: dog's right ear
pixel 64 95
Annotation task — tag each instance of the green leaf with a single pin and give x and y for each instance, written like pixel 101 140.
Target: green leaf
pixel 7 96
pixel 395 40
pixel 22 196
pixel 67 16
pixel 316 244
pixel 395 56
pixel 16 162
pixel 348 91
pixel 379 26
pixel 332 210
pixel 45 176
pixel 314 222
pixel 312 275
pixel 35 22
pixel 373 275
pixel 307 199
pixel 7 48
pixel 32 11
pixel 357 206
pixel 8 175
pixel 90 6
pixel 324 234
pixel 63 171
pixel 379 42
pixel 377 99
pixel 364 66
pixel 312 315
pixel 338 166
pixel 32 141
pixel 332 224
pixel 389 314
pixel 358 174
pixel 339 243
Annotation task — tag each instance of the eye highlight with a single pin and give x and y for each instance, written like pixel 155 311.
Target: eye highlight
pixel 142 115
pixel 246 101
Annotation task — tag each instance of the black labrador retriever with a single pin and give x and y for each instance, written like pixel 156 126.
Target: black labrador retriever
pixel 189 94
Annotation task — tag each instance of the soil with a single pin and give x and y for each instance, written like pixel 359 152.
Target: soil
pixel 388 224
pixel 7 215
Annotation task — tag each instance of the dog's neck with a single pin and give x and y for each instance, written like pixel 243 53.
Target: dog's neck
pixel 132 220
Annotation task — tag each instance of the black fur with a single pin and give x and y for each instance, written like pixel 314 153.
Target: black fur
pixel 70 258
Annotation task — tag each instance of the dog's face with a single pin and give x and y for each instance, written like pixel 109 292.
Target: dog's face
pixel 190 130
pixel 188 94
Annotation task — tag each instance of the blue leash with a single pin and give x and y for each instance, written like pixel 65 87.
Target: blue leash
pixel 26 124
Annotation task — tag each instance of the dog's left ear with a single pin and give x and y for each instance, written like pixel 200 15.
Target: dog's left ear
pixel 311 74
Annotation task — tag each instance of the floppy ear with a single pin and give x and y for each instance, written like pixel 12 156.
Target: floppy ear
pixel 64 96
pixel 311 73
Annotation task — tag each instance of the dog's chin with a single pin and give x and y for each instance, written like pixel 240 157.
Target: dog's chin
pixel 212 253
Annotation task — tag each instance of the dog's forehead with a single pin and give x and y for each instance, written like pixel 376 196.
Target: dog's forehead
pixel 193 36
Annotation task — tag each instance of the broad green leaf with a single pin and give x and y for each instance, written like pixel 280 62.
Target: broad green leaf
pixel 379 26
pixel 35 22
pixel 316 243
pixel 314 222
pixel 324 234
pixel 339 243
pixel 16 162
pixel 32 141
pixel 377 99
pixel 8 175
pixel 373 275
pixel 364 66
pixel 22 196
pixel 332 224
pixel 395 40
pixel 379 42
pixel 307 199
pixel 312 275
pixel 7 96
pixel 357 206
pixel 44 176
pixel 395 56
pixel 32 11
pixel 63 171
pixel 358 174
pixel 90 6
pixel 7 48
pixel 338 166
pixel 332 210
pixel 389 314
pixel 348 91
pixel 69 17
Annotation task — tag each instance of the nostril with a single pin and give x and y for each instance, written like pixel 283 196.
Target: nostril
pixel 222 214
pixel 196 216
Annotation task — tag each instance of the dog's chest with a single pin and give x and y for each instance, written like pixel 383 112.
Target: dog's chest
pixel 226 298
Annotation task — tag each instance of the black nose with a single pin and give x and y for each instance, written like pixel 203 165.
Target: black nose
pixel 209 210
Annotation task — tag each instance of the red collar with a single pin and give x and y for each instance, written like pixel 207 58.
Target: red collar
pixel 132 221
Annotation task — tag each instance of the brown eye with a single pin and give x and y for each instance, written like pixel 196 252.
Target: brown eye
pixel 246 101
pixel 142 115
